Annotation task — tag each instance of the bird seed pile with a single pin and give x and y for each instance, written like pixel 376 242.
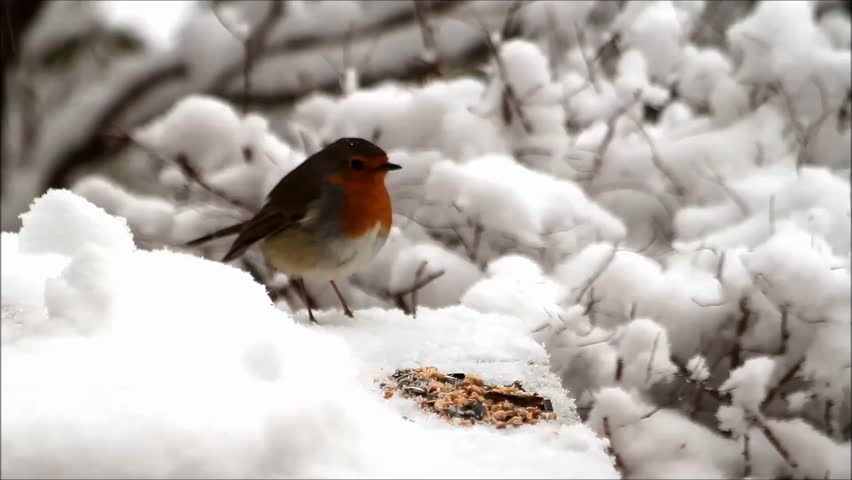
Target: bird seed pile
pixel 466 400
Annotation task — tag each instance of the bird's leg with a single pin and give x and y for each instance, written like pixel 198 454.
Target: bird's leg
pixel 303 292
pixel 346 310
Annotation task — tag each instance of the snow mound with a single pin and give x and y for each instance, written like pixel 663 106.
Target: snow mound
pixel 160 364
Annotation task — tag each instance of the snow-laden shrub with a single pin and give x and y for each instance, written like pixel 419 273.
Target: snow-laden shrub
pixel 669 220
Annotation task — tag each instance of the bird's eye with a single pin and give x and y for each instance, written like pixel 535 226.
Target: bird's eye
pixel 356 164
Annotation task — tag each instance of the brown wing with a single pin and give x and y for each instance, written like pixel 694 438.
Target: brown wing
pixel 288 204
pixel 258 228
pixel 302 185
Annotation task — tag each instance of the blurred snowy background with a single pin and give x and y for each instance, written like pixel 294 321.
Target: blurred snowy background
pixel 642 208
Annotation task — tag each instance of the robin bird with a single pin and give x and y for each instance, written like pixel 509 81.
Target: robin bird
pixel 325 219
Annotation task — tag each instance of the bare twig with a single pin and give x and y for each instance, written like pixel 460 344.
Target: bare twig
pixel 417 285
pixel 611 450
pixel 509 21
pixel 774 391
pixel 720 267
pixel 651 359
pixel 398 296
pixel 804 134
pixel 96 145
pixel 597 342
pixel 823 93
pixel 662 198
pixel 588 310
pixel 348 76
pixel 511 101
pixel 785 330
pixel 651 413
pixel 679 189
pixel 429 56
pixel 790 109
pixel 597 273
pixel 735 197
pixel 591 70
pixel 191 173
pixel 827 417
pixel 313 40
pixel 619 369
pixel 477 239
pixel 182 161
pixel 608 137
pixel 610 45
pixel 224 23
pixel 773 440
pixel 417 275
pixel 253 43
pixel 742 325
pixel 746 456
pixel 683 372
pixel 631 312
pixel 27 100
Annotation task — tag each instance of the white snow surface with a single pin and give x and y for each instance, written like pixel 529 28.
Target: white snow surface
pixel 123 362
pixel 684 276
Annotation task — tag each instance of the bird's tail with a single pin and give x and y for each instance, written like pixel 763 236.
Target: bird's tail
pixel 217 234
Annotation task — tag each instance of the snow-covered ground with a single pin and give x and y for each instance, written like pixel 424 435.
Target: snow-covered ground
pixel 120 362
pixel 651 230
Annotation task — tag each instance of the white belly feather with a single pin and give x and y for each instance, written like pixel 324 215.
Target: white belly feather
pixel 303 253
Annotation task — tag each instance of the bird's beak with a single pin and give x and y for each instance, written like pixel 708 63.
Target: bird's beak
pixel 389 166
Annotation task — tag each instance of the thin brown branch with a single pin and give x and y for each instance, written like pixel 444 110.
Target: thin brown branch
pixel 596 274
pixel 97 145
pixel 684 373
pixel 611 450
pixel 720 267
pixel 804 134
pixel 774 441
pixel 785 330
pixel 313 40
pixel 591 69
pixel 17 18
pixel 774 391
pixel 405 70
pixel 509 22
pixel 608 48
pixel 598 158
pixel 429 56
pixel 417 276
pixel 790 109
pixel 397 297
pixel 597 342
pixel 662 198
pixel 26 97
pixel 255 42
pixel 191 173
pixel 651 359
pixel 510 100
pixel 619 369
pixel 735 197
pixel 742 325
pixel 651 413
pixel 418 284
pixel 827 417
pixel 679 189
pixel 478 229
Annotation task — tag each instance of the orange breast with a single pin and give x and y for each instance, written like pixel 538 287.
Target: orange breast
pixel 366 203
